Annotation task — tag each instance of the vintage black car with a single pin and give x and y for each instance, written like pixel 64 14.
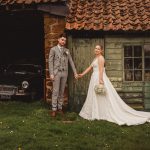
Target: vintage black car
pixel 21 80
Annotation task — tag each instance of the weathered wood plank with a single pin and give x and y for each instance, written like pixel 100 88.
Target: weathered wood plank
pixel 133 84
pixel 113 56
pixel 147 100
pixel 114 73
pixel 114 66
pixel 147 95
pixel 133 89
pixel 134 101
pixel 139 40
pixel 113 62
pixel 147 89
pixel 131 95
pixel 147 106
pixel 137 106
pixel 147 40
pixel 114 45
pixel 147 84
pixel 70 76
pixel 112 51
pixel 115 79
pixel 117 84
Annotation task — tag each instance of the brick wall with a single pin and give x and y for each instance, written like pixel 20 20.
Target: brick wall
pixel 53 27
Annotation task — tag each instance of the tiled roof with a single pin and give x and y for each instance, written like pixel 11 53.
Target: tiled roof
pixel 109 15
pixel 10 2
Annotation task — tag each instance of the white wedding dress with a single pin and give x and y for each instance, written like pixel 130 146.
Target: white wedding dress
pixel 110 106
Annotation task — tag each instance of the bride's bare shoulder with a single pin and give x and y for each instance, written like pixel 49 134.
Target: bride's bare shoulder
pixel 101 58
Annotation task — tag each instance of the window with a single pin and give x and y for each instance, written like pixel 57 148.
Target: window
pixel 137 63
pixel 147 62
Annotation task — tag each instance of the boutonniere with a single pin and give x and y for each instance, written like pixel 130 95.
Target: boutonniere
pixel 66 52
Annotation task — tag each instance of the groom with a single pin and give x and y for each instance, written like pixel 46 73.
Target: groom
pixel 59 57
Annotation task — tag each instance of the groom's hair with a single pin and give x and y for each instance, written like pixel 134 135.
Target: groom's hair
pixel 62 35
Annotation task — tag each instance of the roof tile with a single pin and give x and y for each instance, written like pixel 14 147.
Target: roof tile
pixel 109 15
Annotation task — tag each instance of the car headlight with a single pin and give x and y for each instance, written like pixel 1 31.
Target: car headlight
pixel 25 84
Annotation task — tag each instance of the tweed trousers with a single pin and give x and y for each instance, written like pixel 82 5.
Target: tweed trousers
pixel 58 89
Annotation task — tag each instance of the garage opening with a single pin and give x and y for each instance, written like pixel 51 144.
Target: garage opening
pixel 22 40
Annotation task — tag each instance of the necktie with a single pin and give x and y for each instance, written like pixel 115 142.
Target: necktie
pixel 61 49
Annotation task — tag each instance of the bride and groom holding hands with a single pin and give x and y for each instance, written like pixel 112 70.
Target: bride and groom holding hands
pixel 103 106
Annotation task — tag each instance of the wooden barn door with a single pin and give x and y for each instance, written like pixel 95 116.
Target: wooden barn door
pixel 82 50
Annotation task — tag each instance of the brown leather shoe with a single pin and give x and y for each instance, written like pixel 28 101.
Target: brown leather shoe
pixel 53 114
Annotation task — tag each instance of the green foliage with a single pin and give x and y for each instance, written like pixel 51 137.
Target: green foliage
pixel 28 126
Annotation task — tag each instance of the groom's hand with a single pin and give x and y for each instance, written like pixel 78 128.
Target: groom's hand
pixel 76 76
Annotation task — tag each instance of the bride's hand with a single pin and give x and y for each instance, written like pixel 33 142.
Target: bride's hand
pixel 80 75
pixel 101 82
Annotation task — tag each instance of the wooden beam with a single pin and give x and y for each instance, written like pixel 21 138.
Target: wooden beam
pixel 60 10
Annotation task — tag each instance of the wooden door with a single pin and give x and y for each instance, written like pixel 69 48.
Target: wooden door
pixel 82 50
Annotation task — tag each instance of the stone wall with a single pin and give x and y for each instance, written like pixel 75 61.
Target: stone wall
pixel 53 27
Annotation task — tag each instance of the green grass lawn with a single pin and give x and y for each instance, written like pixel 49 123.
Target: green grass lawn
pixel 28 126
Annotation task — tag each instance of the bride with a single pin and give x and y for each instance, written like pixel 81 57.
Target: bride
pixel 107 106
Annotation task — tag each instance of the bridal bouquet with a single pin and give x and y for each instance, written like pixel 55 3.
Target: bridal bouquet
pixel 100 89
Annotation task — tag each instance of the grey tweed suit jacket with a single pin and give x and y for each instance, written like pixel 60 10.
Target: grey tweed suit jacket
pixel 55 63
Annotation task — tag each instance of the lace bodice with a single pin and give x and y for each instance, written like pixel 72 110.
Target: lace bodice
pixel 95 65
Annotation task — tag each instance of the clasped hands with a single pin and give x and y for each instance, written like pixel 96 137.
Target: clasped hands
pixel 77 76
pixel 80 75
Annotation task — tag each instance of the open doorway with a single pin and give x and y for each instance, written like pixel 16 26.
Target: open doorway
pixel 22 39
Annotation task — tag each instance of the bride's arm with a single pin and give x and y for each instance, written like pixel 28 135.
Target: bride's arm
pixel 101 68
pixel 86 71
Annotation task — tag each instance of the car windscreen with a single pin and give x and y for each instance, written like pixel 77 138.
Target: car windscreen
pixel 24 68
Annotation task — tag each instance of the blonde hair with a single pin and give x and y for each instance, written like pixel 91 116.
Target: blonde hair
pixel 101 48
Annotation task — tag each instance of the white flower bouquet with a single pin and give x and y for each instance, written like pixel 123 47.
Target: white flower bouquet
pixel 100 89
